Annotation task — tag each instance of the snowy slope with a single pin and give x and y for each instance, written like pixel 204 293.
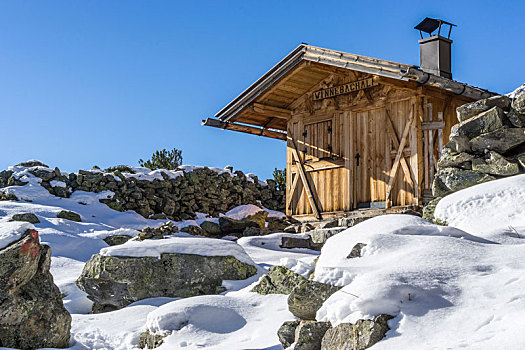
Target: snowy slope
pixel 466 281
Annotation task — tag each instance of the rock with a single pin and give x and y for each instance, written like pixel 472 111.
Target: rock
pixel 32 163
pixel 470 110
pixel 486 122
pixel 356 251
pixel 119 281
pixel 329 224
pixel 27 217
pixel 299 242
pixel 309 334
pixel 519 102
pixel 499 141
pixel 308 297
pixel 321 235
pixel 194 230
pixel 461 160
pixel 276 224
pixel 286 333
pixel 429 209
pixel 69 215
pixel 362 335
pixel 212 229
pixel 516 119
pixel 117 239
pixel 7 196
pixel 32 314
pixel 167 228
pixel 496 164
pixel 148 340
pixel 258 219
pixel 278 280
pixel 450 180
pixel 458 144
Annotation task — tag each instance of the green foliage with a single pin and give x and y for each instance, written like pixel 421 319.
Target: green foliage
pixel 164 159
pixel 279 176
pixel 121 168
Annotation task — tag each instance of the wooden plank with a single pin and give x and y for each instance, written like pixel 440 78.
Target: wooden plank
pixel 304 179
pixel 393 171
pixel 439 125
pixel 244 128
pixel 271 111
pixel 291 192
pixel 393 135
pixel 440 134
pixel 431 156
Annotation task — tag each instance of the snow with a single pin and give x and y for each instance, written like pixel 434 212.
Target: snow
pixel 493 210
pixel 515 93
pixel 243 211
pixel 235 321
pixel 55 183
pixel 12 231
pixel 449 287
pixel 180 245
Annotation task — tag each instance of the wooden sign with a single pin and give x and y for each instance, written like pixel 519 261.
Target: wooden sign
pixel 344 89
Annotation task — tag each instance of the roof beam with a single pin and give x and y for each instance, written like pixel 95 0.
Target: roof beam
pixel 272 111
pixel 244 128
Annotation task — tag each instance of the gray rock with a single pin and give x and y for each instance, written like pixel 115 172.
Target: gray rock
pixel 356 251
pixel 212 229
pixel 519 102
pixel 117 239
pixel 321 235
pixel 119 281
pixel 27 217
pixel 470 110
pixel 486 122
pixel 32 313
pixel 286 333
pixel 32 163
pixel 309 334
pixel 69 215
pixel 299 242
pixel 429 209
pixel 458 144
pixel 308 297
pixel 516 119
pixel 362 335
pixel 194 230
pixel 232 226
pixel 278 280
pixel 461 160
pixel 496 164
pixel 450 180
pixel 499 141
pixel 149 340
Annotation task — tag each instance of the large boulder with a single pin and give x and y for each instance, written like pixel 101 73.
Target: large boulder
pixel 278 280
pixel 308 297
pixel 359 336
pixel 470 110
pixel 500 141
pixel 459 160
pixel 483 123
pixel 286 333
pixel 27 217
pixel 69 215
pixel 231 226
pixel 32 314
pixel 519 102
pixel 309 334
pixel 451 180
pixel 496 164
pixel 113 282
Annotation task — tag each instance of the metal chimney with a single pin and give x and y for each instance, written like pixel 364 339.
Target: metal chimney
pixel 435 49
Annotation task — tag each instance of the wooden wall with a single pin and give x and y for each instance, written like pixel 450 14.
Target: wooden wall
pixel 328 134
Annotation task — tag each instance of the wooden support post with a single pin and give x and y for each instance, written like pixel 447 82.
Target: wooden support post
pixel 395 166
pixel 302 174
pixel 292 191
pixel 393 135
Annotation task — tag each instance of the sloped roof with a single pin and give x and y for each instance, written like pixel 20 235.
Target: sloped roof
pixel 317 55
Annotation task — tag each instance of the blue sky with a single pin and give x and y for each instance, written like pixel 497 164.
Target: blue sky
pixel 101 82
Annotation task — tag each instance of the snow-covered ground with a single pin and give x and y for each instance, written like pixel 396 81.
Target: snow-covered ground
pixel 461 286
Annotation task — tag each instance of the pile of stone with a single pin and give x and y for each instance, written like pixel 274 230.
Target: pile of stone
pixel 487 144
pixel 306 333
pixel 32 314
pixel 177 198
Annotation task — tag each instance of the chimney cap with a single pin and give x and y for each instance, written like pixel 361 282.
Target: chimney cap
pixel 428 25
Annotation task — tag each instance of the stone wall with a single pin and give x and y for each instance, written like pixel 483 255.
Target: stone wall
pixel 487 144
pixel 176 195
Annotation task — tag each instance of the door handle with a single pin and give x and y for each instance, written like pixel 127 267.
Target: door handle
pixel 357 156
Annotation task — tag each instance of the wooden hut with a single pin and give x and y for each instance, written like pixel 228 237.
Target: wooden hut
pixel 361 132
